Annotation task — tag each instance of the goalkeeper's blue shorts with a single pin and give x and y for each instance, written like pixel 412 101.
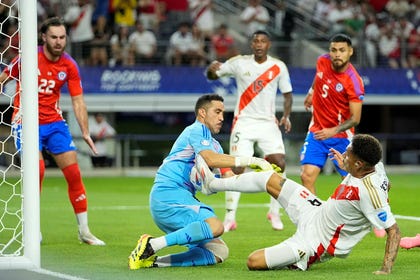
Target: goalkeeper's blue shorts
pixel 174 208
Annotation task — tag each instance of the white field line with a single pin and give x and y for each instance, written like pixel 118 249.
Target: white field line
pixel 56 274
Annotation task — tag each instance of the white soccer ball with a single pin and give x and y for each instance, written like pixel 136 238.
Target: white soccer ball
pixel 196 179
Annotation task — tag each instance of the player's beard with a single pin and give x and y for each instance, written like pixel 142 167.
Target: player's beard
pixel 54 51
pixel 339 65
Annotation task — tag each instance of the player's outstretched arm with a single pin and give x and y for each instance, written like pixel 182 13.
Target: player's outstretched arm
pixel 80 112
pixel 391 250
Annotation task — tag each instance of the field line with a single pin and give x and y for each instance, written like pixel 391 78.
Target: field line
pixel 56 274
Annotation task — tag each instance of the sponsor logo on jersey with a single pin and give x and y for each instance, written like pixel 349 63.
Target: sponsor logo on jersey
pixel 62 75
pixel 339 87
pixel 205 142
pixel 382 216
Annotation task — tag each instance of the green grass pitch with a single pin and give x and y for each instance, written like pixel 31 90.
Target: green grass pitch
pixel 119 214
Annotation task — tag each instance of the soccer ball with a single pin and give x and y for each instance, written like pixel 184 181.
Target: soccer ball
pixel 196 179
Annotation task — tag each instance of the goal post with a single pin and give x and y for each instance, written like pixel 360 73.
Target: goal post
pixel 24 240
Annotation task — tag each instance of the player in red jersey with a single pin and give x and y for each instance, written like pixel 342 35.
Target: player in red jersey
pixel 55 68
pixel 336 97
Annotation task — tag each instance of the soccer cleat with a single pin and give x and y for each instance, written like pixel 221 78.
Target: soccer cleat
pixel 149 262
pixel 141 255
pixel 379 232
pixel 410 242
pixel 88 238
pixel 229 225
pixel 275 221
pixel 201 176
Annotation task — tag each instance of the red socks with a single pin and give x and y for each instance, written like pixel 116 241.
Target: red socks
pixel 76 189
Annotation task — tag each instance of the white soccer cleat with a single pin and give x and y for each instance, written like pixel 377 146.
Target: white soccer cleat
pixel 201 176
pixel 229 225
pixel 88 238
pixel 275 221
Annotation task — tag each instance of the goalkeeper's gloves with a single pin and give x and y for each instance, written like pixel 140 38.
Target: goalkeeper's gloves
pixel 254 163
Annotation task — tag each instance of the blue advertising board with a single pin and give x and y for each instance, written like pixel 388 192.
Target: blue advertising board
pixel 192 80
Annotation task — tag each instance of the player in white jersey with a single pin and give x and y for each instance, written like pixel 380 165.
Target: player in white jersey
pixel 325 229
pixel 258 77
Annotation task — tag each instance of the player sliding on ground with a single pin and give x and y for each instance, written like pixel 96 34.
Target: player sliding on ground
pixel 325 229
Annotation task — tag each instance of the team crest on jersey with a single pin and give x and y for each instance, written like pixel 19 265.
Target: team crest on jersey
pixel 338 87
pixel 382 216
pixel 205 142
pixel 62 75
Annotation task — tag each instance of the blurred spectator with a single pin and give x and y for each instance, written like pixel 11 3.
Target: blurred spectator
pixel 120 48
pixel 398 8
pixel 414 48
pixel 202 15
pixel 179 50
pixel 389 48
pixel 148 13
pixel 321 11
pixel 101 130
pixel 100 43
pixel 255 17
pixel 372 35
pixel 402 28
pixel 414 15
pixel 79 17
pixel 338 16
pixel 198 53
pixel 223 44
pixel 102 10
pixel 143 44
pixel 378 5
pixel 124 13
pixel 172 13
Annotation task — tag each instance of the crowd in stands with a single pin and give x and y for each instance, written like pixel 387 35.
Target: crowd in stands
pixel 387 31
pixel 184 32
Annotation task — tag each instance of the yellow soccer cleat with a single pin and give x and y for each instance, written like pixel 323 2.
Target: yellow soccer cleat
pixel 141 255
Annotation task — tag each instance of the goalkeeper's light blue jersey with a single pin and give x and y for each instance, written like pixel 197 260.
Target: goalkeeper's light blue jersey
pixel 176 167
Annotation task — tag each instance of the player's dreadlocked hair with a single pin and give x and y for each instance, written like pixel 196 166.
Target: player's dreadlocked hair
pixel 206 99
pixel 367 148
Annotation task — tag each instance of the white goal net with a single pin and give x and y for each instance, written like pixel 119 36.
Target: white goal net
pixel 19 187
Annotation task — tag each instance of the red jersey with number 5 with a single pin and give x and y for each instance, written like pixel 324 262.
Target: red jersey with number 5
pixel 51 78
pixel 333 92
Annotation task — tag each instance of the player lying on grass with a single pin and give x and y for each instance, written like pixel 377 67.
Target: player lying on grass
pixel 325 229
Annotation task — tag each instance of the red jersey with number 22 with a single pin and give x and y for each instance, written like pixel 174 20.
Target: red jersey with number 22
pixel 51 77
pixel 333 92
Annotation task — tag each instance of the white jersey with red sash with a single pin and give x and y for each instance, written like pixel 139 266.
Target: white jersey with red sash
pixel 257 85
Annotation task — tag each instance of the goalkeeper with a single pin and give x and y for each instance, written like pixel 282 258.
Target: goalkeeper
pixel 174 208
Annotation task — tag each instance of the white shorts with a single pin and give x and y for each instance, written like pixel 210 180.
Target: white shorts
pixel 300 250
pixel 248 132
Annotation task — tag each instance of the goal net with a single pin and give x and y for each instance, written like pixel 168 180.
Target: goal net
pixel 19 187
